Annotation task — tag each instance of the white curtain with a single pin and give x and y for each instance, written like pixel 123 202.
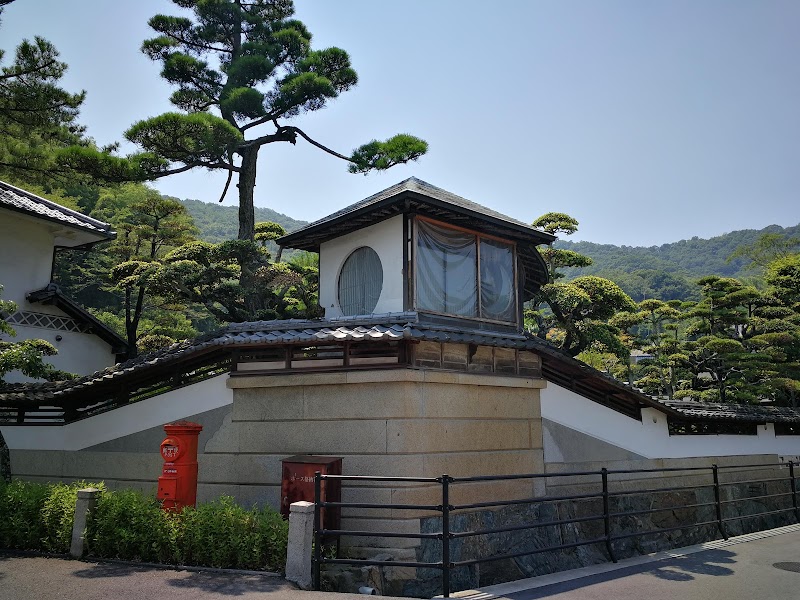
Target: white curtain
pixel 446 271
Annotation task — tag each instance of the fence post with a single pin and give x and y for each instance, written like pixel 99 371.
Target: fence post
pixel 317 537
pixel 717 503
pixel 301 537
pixel 446 536
pixel 607 515
pixel 794 489
pixel 84 506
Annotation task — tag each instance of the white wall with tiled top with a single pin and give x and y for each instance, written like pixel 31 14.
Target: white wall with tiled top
pixel 648 438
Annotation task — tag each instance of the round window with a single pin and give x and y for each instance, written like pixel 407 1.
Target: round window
pixel 360 282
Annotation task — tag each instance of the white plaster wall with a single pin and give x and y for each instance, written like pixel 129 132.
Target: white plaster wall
pixel 153 412
pixel 79 353
pixel 650 437
pixel 386 238
pixel 26 255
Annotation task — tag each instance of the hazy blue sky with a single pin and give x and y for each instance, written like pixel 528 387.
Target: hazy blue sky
pixel 648 121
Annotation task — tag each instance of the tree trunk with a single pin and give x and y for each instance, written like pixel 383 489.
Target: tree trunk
pixel 247 186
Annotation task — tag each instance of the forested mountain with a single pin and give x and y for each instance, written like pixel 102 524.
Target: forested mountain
pixel 665 272
pixel 668 271
pixel 217 223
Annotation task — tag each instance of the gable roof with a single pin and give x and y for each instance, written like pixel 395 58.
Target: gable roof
pixel 22 201
pixel 51 294
pixel 419 197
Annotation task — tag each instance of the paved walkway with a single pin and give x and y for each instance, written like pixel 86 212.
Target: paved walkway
pixel 763 565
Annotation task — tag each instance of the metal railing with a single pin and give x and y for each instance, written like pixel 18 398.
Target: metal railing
pixel 603 493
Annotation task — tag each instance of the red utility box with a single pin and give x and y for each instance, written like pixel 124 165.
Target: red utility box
pixel 177 486
pixel 297 484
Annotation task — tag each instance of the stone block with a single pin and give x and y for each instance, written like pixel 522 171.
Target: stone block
pixel 259 495
pixel 455 356
pixel 380 526
pixel 368 495
pixel 313 437
pixel 452 435
pixel 428 354
pixel 529 363
pixel 481 359
pixel 408 465
pixel 262 404
pixel 505 361
pixel 84 505
pixel 292 380
pixel 374 400
pixel 225 438
pixel 95 466
pixel 466 464
pixel 299 548
pixel 537 440
pixel 37 463
pixel 455 400
pixel 208 492
pixel 385 375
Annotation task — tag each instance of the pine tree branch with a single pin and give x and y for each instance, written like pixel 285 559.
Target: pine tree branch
pixel 305 136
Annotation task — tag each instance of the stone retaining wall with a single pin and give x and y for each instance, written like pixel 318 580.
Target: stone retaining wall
pixel 427 582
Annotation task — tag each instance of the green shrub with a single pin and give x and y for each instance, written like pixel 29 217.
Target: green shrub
pixel 131 526
pixel 21 504
pixel 223 534
pixel 38 516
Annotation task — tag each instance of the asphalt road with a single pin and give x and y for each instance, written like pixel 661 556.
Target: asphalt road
pixel 37 578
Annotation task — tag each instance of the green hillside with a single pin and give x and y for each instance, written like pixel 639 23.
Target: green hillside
pixel 668 271
pixel 217 222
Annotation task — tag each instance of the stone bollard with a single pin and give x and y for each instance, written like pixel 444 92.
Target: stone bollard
pixel 301 539
pixel 84 505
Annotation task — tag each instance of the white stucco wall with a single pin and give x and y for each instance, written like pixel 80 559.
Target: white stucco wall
pixel 78 353
pixel 386 238
pixel 650 437
pixel 26 255
pixel 153 412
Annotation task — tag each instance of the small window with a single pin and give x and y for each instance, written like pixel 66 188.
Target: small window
pixel 360 282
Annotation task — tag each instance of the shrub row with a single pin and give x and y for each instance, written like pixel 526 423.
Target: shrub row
pixel 131 526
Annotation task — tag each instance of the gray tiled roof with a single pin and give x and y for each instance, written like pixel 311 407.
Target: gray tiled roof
pixel 412 184
pixel 20 200
pixel 380 328
pixel 735 412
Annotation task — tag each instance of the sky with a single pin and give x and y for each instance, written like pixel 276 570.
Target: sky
pixel 649 122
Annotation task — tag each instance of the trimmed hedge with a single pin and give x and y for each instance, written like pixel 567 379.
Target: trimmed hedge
pixel 129 525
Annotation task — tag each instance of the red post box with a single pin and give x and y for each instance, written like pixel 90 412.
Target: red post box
pixel 297 484
pixel 177 486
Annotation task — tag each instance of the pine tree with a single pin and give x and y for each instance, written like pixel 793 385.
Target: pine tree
pixel 253 66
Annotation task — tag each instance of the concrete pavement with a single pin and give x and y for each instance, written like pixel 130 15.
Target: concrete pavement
pixel 763 565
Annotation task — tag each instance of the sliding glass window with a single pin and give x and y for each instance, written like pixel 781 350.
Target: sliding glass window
pixel 464 274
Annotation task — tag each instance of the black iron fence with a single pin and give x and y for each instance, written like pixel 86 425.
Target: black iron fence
pixel 597 479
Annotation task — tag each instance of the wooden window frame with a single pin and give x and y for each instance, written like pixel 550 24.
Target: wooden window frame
pixel 478 236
